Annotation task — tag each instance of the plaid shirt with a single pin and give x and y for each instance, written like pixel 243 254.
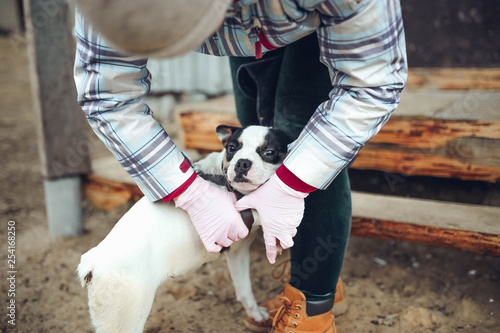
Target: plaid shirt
pixel 361 42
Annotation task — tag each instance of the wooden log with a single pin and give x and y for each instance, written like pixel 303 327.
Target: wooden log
pixel 463 149
pixel 450 104
pixel 418 163
pixel 477 242
pixel 425 212
pixel 107 194
pixel 425 133
pixel 465 227
pixel 454 78
pixel 198 129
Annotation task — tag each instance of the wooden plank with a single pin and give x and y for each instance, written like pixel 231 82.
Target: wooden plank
pixel 431 147
pixel 198 122
pixel 198 129
pixel 464 149
pixel 450 104
pixel 62 140
pixel 107 194
pixel 454 78
pixel 414 132
pixel 421 164
pixel 224 104
pixel 477 242
pixel 438 214
pixel 470 78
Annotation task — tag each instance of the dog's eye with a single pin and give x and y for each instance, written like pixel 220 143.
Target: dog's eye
pixel 231 148
pixel 270 152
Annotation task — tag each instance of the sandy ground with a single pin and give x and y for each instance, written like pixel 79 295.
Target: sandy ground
pixel 392 286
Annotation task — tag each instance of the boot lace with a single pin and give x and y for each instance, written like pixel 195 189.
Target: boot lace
pixel 282 271
pixel 281 315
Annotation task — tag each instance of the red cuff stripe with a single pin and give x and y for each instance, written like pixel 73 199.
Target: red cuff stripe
pixel 180 189
pixel 293 181
pixel 185 165
pixel 258 50
pixel 263 39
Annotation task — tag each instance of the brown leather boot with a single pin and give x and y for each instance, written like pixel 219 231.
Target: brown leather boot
pixel 297 315
pixel 275 303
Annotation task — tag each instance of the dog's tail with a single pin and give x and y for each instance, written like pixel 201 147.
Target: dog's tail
pixel 85 268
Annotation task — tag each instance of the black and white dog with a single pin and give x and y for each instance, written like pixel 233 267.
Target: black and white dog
pixel 155 242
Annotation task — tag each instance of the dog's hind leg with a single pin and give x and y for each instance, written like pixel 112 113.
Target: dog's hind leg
pixel 238 262
pixel 119 302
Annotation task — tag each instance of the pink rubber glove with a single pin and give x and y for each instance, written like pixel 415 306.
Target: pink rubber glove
pixel 213 214
pixel 281 209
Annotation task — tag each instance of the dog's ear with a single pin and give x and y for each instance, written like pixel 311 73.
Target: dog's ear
pixel 224 132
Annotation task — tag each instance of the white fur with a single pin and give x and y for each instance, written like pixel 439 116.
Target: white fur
pixel 155 242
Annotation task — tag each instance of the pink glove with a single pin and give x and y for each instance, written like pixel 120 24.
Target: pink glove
pixel 281 209
pixel 213 214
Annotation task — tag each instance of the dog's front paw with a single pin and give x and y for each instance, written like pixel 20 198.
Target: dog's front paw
pixel 259 314
pixel 258 320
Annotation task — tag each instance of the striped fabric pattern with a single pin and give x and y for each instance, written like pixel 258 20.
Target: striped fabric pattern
pixel 361 42
pixel 110 86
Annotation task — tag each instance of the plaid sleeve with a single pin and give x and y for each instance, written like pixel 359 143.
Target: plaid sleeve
pixel 110 86
pixel 366 57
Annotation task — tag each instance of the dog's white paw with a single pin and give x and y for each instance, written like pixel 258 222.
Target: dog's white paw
pixel 259 314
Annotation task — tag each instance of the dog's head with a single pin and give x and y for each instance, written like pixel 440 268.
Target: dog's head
pixel 251 155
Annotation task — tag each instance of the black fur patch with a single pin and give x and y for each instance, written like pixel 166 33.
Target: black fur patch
pixel 213 178
pixel 233 144
pixel 274 149
pixel 88 277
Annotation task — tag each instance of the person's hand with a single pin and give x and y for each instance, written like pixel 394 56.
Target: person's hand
pixel 213 214
pixel 281 209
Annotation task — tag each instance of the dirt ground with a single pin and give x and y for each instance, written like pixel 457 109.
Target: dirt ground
pixel 392 286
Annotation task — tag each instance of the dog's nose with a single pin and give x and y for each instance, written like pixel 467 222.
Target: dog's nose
pixel 242 166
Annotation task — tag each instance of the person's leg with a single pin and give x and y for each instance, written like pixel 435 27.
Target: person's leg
pixel 317 256
pixel 246 107
pixel 321 241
